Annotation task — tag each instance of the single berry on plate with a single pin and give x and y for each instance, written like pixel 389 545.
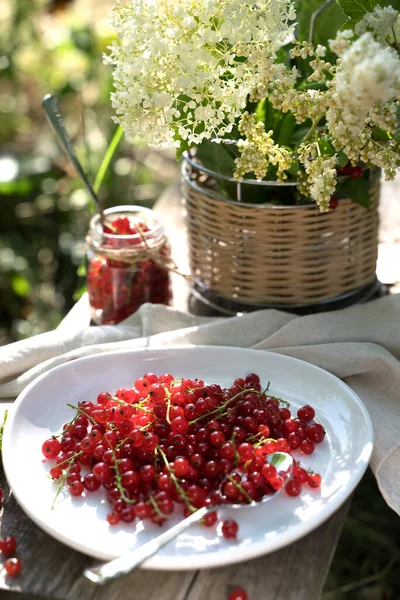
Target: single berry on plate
pixel 314 480
pixel 229 529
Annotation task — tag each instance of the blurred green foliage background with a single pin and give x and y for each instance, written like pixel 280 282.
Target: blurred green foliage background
pixel 56 46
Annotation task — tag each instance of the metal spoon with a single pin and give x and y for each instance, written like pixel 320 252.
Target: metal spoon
pixel 126 563
pixel 56 122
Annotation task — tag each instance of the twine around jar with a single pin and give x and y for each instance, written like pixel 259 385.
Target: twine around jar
pixel 132 255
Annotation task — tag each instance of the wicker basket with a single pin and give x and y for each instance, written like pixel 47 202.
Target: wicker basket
pixel 266 255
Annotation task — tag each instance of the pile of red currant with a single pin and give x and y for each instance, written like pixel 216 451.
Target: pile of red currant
pixel 167 442
pixel 117 288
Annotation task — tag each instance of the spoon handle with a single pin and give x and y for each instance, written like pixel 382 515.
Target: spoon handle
pixel 126 563
pixel 56 122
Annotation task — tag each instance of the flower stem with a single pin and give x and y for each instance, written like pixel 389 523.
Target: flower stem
pixel 107 158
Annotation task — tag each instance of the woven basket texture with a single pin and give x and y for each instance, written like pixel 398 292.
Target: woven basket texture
pixel 264 254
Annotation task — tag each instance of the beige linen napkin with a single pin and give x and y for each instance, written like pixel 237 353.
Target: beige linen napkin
pixel 361 345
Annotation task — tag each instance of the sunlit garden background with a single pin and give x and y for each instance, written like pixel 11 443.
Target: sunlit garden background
pixel 57 46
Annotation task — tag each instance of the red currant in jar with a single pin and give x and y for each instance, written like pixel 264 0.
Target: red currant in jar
pixel 117 284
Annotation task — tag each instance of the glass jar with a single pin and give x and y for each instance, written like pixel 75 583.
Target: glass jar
pixel 127 263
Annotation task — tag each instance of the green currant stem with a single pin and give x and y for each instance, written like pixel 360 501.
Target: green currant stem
pixel 82 412
pixel 71 422
pixel 175 480
pixel 64 476
pixel 235 449
pixel 118 481
pixel 267 388
pixel 263 441
pixel 240 488
pixel 156 508
pixel 223 406
pixel 67 460
pixel 168 407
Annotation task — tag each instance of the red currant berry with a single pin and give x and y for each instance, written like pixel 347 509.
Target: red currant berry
pixel 333 203
pixel 8 544
pixel 238 594
pixel 306 413
pixel 307 447
pixel 113 518
pixel 316 433
pixel 293 440
pixel 12 566
pixel 293 487
pixel 179 425
pixel 91 483
pixel 314 480
pixel 229 529
pixel 51 448
pixel 356 172
pixel 76 488
pixel 102 472
pixel 301 475
pixel 217 438
pixel 181 466
pixel 210 519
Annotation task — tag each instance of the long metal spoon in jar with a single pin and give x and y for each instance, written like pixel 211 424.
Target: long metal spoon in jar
pixel 124 564
pixel 56 122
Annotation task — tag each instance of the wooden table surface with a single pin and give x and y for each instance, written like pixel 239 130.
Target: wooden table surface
pixel 51 570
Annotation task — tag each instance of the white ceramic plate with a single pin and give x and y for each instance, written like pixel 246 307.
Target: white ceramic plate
pixel 81 522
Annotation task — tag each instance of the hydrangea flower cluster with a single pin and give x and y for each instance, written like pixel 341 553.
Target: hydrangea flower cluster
pixel 185 72
pixel 185 69
pixel 364 94
pixel 258 150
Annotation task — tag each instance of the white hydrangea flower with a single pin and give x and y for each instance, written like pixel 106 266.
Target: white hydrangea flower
pixel 321 174
pixel 258 151
pixel 176 66
pixel 341 42
pixel 363 93
pixel 379 22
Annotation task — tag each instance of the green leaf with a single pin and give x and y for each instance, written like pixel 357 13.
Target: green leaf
pixel 217 157
pixel 326 24
pixel 285 131
pixel 356 9
pixel 397 132
pixel 261 110
pixel 326 147
pixel 355 189
pixel 20 286
pixel 342 159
